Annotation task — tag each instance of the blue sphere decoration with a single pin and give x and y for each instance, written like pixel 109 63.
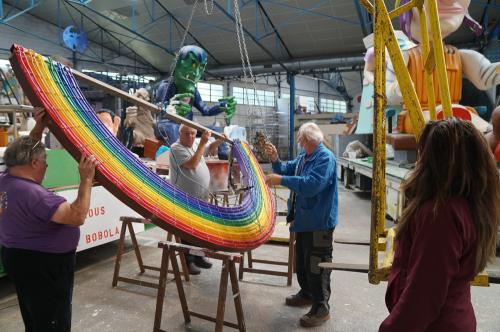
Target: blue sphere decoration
pixel 74 39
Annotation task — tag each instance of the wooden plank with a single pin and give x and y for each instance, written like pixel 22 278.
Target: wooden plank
pixel 142 103
pixel 345 267
pixel 138 282
pixel 361 242
pixel 268 272
pixel 265 261
pixel 493 276
pixel 16 108
pixel 211 319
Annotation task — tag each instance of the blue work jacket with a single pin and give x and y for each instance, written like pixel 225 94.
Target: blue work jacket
pixel 316 206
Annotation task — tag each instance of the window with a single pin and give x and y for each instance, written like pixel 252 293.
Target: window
pixel 253 97
pixel 210 92
pixel 120 77
pixel 308 102
pixel 269 99
pixel 333 106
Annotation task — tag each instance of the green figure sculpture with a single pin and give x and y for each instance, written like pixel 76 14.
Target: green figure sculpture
pixel 181 92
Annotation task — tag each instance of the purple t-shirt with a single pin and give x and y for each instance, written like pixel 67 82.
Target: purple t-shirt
pixel 26 210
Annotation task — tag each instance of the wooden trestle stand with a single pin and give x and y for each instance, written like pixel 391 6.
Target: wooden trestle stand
pixel 127 222
pixel 250 269
pixel 290 263
pixel 228 271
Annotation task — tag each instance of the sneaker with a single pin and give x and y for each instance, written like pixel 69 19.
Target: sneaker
pixel 297 300
pixel 193 269
pixel 202 262
pixel 315 317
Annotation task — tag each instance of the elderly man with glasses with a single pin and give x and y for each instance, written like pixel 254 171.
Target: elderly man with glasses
pixel 39 232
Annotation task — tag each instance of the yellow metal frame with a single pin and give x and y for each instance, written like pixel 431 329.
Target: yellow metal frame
pixel 382 239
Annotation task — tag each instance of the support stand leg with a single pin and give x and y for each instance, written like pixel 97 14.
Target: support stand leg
pixel 180 288
pixel 161 290
pixel 221 306
pixel 136 246
pixel 237 297
pixel 119 255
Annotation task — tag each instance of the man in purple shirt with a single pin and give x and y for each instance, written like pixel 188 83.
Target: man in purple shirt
pixel 39 232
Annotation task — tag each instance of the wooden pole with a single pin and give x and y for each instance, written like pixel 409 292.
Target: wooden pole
pixel 142 103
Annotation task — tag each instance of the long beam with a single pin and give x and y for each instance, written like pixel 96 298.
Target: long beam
pixel 255 40
pixel 142 103
pixel 152 42
pixel 142 60
pixel 189 33
pixel 274 28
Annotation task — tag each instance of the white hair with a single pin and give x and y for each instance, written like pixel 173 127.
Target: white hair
pixel 311 132
pixel 182 126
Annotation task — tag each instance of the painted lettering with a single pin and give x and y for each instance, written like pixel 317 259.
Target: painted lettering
pixel 100 235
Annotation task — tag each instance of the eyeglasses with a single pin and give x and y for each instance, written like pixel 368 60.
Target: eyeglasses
pixel 34 146
pixel 27 141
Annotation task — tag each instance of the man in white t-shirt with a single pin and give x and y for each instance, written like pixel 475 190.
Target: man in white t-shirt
pixel 189 172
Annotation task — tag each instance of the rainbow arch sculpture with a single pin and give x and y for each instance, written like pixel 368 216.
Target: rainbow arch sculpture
pixel 74 123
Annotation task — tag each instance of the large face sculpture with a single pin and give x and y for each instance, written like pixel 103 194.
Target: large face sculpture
pixel 451 15
pixel 189 68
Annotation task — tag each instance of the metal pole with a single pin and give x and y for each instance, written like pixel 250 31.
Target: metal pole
pixel 428 79
pixel 291 83
pixel 437 43
pixel 378 184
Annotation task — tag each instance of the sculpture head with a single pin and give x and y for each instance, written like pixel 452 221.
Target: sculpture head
pixel 189 68
pixel 142 94
pixel 110 120
pixel 451 15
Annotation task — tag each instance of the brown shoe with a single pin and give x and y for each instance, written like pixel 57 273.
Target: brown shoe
pixel 297 300
pixel 314 318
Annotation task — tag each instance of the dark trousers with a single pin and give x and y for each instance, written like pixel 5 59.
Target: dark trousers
pixel 44 285
pixel 313 248
pixel 189 258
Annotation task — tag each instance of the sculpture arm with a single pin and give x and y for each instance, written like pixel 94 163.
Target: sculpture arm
pixel 393 92
pixel 204 109
pixel 479 70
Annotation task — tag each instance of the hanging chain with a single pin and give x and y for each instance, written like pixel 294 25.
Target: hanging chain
pixel 188 26
pixel 245 62
pixel 209 12
pixel 172 67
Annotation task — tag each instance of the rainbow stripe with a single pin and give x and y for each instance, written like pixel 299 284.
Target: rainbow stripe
pixel 75 124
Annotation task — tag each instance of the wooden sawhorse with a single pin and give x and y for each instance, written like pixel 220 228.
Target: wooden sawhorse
pixel 290 263
pixel 228 271
pixel 127 222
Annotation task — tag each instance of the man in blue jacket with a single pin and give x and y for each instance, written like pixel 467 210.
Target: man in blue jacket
pixel 312 214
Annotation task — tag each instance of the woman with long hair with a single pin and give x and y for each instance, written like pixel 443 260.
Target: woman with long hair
pixel 447 232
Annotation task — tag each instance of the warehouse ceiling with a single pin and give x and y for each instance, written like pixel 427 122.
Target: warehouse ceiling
pixel 286 31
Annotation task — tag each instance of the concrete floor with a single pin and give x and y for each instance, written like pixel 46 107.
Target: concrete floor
pixel 356 304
